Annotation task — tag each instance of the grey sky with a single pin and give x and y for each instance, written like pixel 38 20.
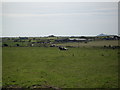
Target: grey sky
pixel 59 18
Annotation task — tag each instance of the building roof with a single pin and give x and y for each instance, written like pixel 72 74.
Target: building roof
pixel 78 39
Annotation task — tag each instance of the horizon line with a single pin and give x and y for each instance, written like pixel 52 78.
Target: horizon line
pixel 61 35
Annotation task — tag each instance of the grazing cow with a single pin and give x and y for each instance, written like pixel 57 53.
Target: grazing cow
pixel 63 48
pixel 111 47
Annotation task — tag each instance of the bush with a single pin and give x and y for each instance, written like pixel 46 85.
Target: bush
pixel 5 45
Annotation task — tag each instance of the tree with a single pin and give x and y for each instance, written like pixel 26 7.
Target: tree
pixel 51 36
pixel 5 45
pixel 17 45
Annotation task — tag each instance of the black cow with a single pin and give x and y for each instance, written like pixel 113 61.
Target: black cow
pixel 63 48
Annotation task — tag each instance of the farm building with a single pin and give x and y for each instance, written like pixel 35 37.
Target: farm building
pixel 71 40
pixel 108 37
pixel 78 40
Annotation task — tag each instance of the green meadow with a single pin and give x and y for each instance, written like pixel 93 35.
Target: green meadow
pixel 48 67
pixel 99 43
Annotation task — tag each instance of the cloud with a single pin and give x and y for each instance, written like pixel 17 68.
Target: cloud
pixel 60 0
pixel 58 9
pixel 61 12
pixel 56 14
pixel 40 15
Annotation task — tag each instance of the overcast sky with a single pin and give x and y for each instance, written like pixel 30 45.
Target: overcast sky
pixel 59 18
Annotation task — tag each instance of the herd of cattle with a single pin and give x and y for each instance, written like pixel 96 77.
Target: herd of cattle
pixel 60 47
pixel 105 46
pixel 64 48
pixel 111 47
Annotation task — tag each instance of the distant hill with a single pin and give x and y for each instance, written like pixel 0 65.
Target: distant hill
pixel 102 34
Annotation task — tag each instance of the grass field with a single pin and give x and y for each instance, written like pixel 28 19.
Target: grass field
pixel 92 43
pixel 36 67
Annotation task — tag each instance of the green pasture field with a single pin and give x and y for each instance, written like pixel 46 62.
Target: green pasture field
pixel 41 67
pixel 100 43
pixel 91 43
